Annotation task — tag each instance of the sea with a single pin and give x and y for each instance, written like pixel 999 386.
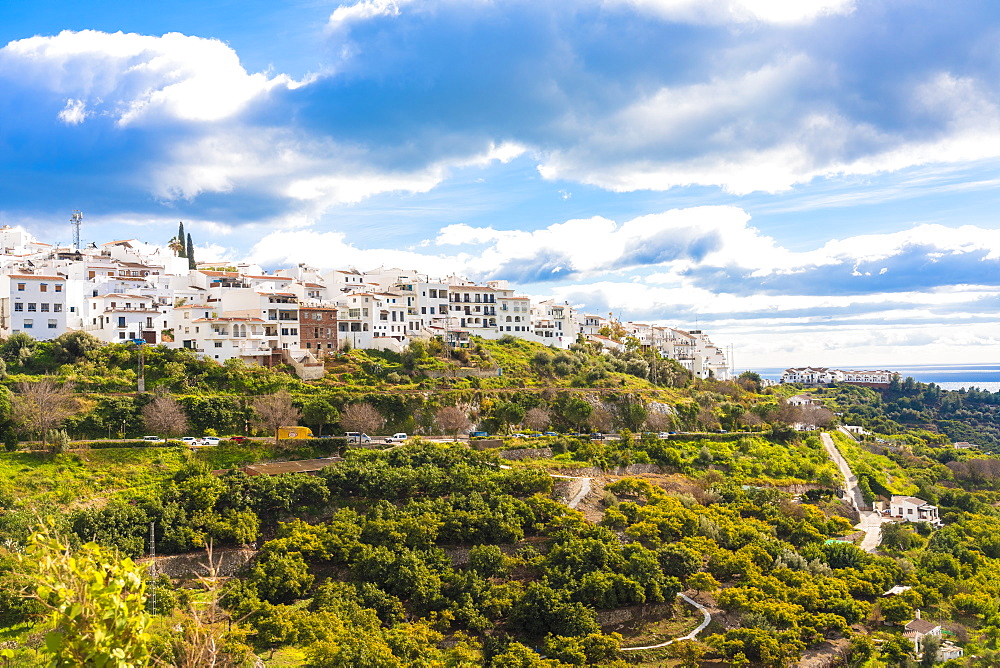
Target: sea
pixel 948 376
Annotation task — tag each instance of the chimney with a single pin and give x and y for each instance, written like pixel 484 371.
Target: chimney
pixel 918 613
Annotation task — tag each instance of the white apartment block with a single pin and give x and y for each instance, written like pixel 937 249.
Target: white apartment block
pixel 824 376
pixel 116 318
pixel 34 304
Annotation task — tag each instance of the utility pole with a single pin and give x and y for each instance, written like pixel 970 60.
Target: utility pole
pixel 152 569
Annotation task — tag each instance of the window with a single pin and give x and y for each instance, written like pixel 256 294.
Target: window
pixel 44 287
pixel 58 288
pixel 18 306
pixel 52 324
pixel 29 323
pixel 284 331
pixel 32 306
pixel 218 344
pixel 20 287
pixel 121 321
pixel 121 335
pixel 45 307
pixel 295 331
pixel 57 308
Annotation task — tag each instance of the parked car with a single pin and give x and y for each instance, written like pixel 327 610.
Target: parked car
pixel 190 440
pixel 153 439
pixel 663 434
pixel 478 434
pixel 211 440
pixel 357 437
pixel 597 437
pixel 551 433
pixel 396 438
pixel 238 439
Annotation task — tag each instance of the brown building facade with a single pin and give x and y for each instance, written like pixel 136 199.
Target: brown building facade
pixel 318 329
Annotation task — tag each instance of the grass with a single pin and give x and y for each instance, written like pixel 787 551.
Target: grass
pixel 77 478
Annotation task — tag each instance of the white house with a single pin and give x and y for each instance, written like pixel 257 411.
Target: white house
pixel 918 629
pixel 912 509
pixel 116 317
pixel 34 304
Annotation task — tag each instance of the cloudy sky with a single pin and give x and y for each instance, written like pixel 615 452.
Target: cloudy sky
pixel 811 181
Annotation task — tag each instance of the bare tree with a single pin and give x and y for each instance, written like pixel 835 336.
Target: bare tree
pixel 43 405
pixel 815 416
pixel 164 416
pixel 751 420
pixel 600 419
pixel 451 420
pixel 660 420
pixel 361 417
pixel 276 410
pixel 537 419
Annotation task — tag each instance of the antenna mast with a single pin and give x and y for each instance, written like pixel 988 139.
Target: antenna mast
pixel 76 220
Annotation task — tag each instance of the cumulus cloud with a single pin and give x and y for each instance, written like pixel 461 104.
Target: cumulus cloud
pixel 133 78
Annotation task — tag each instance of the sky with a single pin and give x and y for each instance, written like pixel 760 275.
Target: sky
pixel 812 182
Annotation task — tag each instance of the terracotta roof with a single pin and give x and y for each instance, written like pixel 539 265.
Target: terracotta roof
pixel 39 277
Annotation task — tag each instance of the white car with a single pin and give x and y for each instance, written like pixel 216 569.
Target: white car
pixel 357 437
pixel 396 438
pixel 153 439
pixel 190 440
pixel 211 440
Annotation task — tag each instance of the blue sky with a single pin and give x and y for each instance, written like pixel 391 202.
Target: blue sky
pixel 812 181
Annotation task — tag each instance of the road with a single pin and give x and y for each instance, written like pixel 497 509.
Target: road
pixel 706 620
pixel 871 521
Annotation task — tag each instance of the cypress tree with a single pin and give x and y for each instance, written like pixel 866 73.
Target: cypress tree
pixel 190 253
pixel 180 238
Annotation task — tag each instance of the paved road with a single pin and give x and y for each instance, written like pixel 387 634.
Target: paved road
pixel 706 620
pixel 871 521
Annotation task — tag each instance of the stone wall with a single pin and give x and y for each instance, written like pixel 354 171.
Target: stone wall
pixel 527 453
pixel 195 564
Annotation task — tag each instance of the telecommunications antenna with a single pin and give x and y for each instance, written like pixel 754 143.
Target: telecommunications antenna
pixel 76 220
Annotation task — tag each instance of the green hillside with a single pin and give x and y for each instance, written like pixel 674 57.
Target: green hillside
pixel 433 553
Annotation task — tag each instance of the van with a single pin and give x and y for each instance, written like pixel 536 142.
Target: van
pixel 357 437
pixel 396 438
pixel 294 432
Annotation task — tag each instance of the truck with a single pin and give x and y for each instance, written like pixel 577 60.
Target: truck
pixel 396 438
pixel 295 432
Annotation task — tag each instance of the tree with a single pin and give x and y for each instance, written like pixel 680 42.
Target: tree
pixel 451 420
pixel 177 244
pixel 689 652
pixel 192 264
pixel 43 405
pixel 164 416
pixel 72 346
pixel 361 417
pixel 600 419
pixel 276 410
pixel 537 418
pixel 95 601
pixel 317 412
pixel 18 348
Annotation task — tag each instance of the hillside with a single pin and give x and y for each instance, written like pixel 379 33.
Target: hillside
pixel 433 553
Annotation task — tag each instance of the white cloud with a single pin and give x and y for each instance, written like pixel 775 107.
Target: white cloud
pixel 742 11
pixel 135 78
pixel 363 11
pixel 74 112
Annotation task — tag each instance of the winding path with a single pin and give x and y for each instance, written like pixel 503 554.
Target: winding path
pixel 706 620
